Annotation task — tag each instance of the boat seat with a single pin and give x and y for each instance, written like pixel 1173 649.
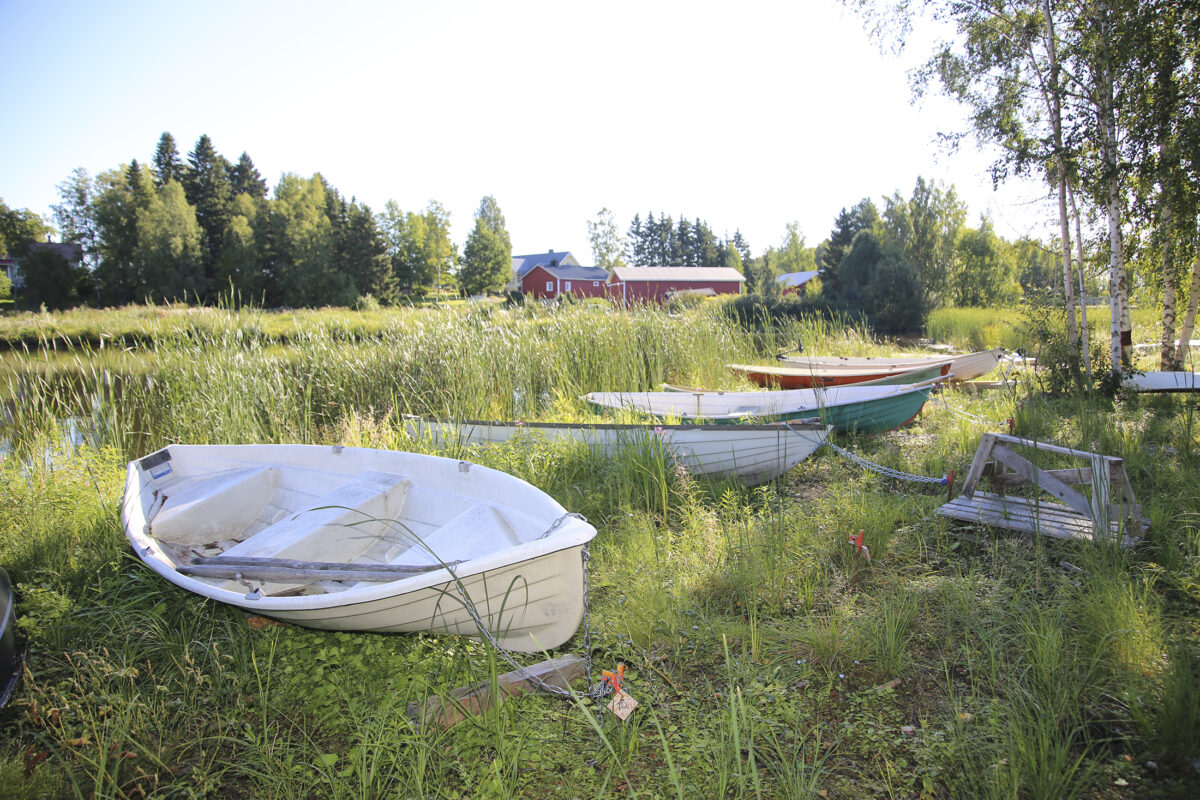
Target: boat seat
pixel 220 506
pixel 338 526
pixel 476 531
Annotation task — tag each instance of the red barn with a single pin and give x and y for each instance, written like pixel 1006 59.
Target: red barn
pixel 547 283
pixel 654 284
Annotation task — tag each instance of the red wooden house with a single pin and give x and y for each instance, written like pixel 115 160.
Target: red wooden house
pixel 548 283
pixel 634 285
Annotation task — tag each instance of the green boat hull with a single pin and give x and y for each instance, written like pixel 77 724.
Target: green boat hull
pixel 873 415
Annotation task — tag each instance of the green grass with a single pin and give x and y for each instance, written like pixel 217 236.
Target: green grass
pixel 768 658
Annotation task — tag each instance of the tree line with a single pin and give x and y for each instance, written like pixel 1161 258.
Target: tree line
pixel 892 265
pixel 205 228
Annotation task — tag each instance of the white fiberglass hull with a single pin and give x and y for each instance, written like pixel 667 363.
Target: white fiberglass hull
pixel 751 453
pixel 1164 382
pixel 962 368
pixel 414 532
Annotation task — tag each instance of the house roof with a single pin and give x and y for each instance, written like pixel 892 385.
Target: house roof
pixel 522 264
pixel 638 274
pixel 571 272
pixel 789 279
pixel 68 250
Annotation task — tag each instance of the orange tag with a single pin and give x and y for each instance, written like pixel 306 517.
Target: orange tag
pixel 614 679
pixel 622 705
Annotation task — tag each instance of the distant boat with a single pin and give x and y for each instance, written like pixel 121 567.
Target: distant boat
pixel 753 454
pixel 865 409
pixel 1164 382
pixel 790 376
pixel 351 539
pixel 963 368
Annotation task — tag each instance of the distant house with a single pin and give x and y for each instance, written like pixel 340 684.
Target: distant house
pixel 795 282
pixel 549 283
pixel 656 284
pixel 522 264
pixel 72 253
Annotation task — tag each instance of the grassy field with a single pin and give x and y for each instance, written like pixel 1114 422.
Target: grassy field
pixel 768 658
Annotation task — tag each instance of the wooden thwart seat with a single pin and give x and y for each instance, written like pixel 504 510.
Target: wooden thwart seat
pixel 286 570
pixel 350 508
pixel 1074 516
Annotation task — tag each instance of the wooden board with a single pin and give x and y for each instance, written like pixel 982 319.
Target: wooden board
pixel 1021 514
pixel 470 700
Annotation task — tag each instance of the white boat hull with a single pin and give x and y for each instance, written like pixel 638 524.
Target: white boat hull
pixel 1164 382
pixel 962 368
pixel 510 548
pixel 753 454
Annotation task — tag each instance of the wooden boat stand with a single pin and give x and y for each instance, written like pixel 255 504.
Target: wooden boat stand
pixel 1111 512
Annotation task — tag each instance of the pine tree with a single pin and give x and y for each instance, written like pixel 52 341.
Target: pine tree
pixel 245 179
pixel 487 256
pixel 206 183
pixel 167 165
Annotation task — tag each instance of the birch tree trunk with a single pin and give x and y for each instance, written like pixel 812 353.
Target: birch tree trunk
pixel 1170 278
pixel 1189 318
pixel 1055 99
pixel 1083 322
pixel 1118 283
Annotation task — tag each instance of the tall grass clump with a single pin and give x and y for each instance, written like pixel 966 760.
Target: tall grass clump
pixel 975 328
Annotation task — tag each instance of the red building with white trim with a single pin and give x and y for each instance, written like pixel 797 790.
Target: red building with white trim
pixel 549 283
pixel 634 285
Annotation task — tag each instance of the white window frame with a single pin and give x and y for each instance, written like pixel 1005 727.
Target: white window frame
pixel 549 286
pixel 566 286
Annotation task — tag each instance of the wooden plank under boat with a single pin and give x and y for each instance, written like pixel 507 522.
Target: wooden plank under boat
pixel 355 539
pixel 753 454
pixel 964 368
pixel 864 409
pixel 1164 382
pixel 786 376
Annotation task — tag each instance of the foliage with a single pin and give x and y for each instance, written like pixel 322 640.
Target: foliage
pixel 168 256
pixel 50 280
pixel 486 263
pixel 665 242
pixel 608 250
pixel 768 658
pixel 18 229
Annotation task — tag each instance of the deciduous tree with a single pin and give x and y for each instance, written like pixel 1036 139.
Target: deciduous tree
pixel 608 250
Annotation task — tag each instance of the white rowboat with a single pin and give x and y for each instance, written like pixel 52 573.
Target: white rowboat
pixel 1164 382
pixel 753 454
pixel 963 368
pixel 345 538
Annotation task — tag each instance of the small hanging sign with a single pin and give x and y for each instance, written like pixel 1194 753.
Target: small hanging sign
pixel 622 705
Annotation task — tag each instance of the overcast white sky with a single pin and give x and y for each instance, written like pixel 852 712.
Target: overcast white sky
pixel 746 115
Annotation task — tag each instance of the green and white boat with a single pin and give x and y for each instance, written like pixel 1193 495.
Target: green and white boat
pixel 861 409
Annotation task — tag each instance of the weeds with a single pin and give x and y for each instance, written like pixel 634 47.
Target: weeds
pixel 769 658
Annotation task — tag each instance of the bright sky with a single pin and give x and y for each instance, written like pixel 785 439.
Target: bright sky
pixel 746 115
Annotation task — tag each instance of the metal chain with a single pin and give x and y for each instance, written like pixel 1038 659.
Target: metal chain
pixel 560 521
pixel 978 420
pixel 888 471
